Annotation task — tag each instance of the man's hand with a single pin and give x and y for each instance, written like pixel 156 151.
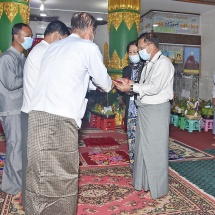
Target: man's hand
pixel 124 86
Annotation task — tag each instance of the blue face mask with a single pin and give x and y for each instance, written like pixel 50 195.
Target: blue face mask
pixel 28 41
pixel 134 58
pixel 144 55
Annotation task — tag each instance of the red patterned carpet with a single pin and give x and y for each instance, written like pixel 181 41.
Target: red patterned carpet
pixel 108 191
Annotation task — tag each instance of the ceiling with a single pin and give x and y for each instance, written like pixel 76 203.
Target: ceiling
pixel 98 8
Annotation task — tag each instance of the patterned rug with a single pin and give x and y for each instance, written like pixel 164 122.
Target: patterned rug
pixel 104 158
pixel 108 190
pixel 200 172
pixel 100 141
pixel 10 205
pixel 185 152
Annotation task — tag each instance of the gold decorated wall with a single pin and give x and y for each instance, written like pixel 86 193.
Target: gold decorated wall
pixel 11 12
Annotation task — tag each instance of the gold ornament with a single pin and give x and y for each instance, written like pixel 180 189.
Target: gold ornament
pixel 115 19
pixel 124 4
pixel 114 62
pixel 1 9
pixel 24 13
pixel 125 60
pixel 128 17
pixel 131 18
pixel 114 76
pixel 11 10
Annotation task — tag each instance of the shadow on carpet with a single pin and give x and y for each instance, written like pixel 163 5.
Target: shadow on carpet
pixel 201 173
pixel 108 190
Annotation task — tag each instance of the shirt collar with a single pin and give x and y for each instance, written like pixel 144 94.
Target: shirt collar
pixel 156 56
pixel 17 52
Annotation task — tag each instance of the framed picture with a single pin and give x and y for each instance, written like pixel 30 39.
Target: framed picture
pixel 192 60
pixel 169 54
pixel 178 56
pixel 39 35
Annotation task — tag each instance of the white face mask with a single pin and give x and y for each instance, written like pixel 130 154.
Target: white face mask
pixel 28 41
pixel 134 58
pixel 144 55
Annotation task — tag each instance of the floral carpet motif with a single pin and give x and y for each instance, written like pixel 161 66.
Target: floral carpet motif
pixel 108 191
pixel 10 205
pixel 105 158
pixel 187 152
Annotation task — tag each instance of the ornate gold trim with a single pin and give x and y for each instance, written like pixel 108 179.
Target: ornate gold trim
pixel 116 19
pixel 24 13
pixel 116 63
pixel 130 18
pixel 124 4
pixel 11 10
pixel 1 9
pixel 105 58
pixel 125 61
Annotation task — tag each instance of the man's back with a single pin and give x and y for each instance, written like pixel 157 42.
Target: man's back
pixel 31 73
pixel 61 88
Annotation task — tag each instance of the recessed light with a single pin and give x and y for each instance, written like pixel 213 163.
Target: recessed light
pixel 99 19
pixel 43 14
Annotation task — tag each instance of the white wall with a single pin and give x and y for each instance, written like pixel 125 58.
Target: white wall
pixel 101 37
pixel 207 55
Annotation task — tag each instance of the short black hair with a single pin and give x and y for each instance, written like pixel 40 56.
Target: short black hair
pixel 16 28
pixel 149 38
pixel 57 26
pixel 82 20
pixel 134 42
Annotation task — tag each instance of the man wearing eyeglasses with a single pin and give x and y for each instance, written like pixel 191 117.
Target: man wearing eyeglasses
pixel 154 91
pixel 11 91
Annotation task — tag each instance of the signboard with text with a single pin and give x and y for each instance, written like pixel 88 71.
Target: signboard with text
pixel 168 22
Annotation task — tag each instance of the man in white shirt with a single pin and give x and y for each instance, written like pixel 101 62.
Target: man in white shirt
pixel 58 105
pixel 154 91
pixel 55 31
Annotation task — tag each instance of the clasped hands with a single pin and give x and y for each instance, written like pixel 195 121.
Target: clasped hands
pixel 123 84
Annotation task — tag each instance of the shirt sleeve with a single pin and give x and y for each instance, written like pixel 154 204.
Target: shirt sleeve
pixel 91 86
pixel 8 75
pixel 158 80
pixel 98 71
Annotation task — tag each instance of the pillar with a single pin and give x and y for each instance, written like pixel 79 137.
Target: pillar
pixel 11 12
pixel 123 27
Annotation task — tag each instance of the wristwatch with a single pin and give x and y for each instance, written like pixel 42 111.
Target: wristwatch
pixel 131 89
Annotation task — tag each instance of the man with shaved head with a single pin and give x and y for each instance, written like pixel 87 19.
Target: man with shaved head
pixel 58 105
